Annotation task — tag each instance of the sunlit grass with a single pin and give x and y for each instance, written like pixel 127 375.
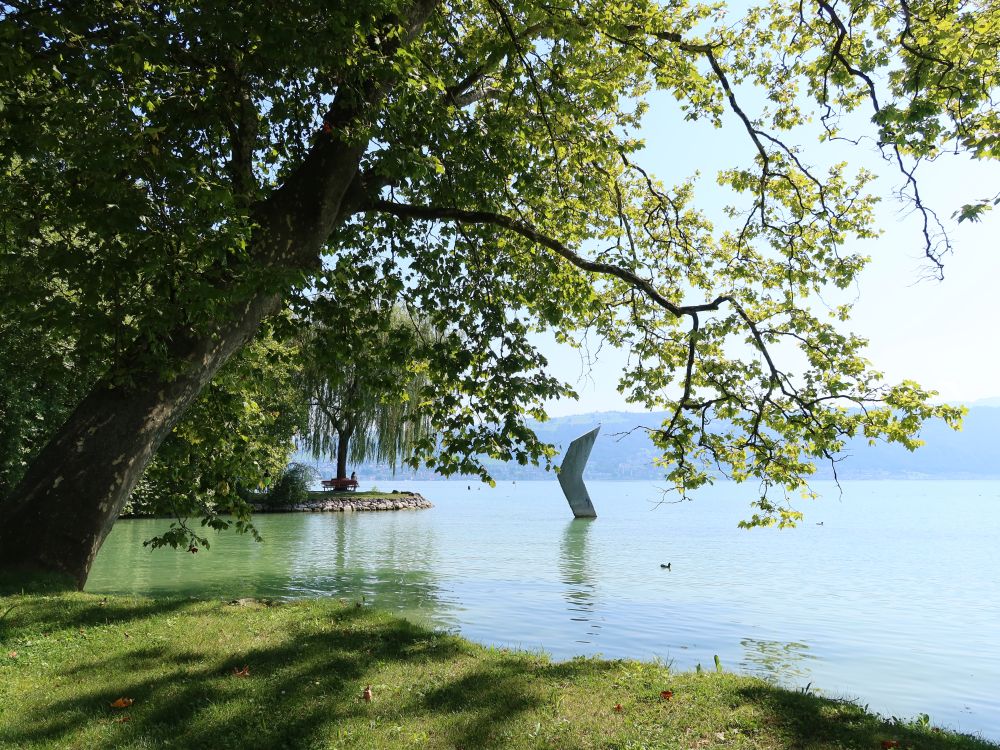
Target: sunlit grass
pixel 64 658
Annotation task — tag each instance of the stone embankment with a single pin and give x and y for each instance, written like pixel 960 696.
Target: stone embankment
pixel 345 502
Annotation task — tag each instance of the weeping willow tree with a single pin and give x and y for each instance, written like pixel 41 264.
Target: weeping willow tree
pixel 363 381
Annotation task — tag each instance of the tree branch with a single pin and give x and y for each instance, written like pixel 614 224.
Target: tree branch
pixel 463 216
pixel 526 230
pixel 461 93
pixel 243 132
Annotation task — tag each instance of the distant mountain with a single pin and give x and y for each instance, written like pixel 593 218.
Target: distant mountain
pixel 623 451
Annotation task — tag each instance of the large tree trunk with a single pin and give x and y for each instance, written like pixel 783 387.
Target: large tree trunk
pixel 74 490
pixel 343 441
pixel 59 515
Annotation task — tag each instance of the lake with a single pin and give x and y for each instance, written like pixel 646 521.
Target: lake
pixel 887 594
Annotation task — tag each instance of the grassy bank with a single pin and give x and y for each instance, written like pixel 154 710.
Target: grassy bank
pixel 65 658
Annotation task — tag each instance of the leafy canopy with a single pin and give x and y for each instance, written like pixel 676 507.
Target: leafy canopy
pixel 501 192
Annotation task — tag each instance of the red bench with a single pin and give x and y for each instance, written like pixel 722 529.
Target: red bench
pixel 338 485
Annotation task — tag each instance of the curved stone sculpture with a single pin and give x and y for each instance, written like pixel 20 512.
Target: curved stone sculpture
pixel 571 475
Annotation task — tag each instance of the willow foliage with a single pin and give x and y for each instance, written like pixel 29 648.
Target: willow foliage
pixel 364 381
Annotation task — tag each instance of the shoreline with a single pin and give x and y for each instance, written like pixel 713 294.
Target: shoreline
pixel 350 502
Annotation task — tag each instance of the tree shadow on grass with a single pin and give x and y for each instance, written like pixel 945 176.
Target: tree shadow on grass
pixel 298 689
pixel 37 614
pixel 482 702
pixel 308 664
pixel 486 701
pixel 36 617
pixel 810 721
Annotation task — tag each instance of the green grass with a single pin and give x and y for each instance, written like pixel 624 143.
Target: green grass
pixel 309 662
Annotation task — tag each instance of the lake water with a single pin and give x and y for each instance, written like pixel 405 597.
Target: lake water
pixel 889 595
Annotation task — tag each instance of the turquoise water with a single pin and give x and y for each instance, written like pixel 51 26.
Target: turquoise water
pixel 893 601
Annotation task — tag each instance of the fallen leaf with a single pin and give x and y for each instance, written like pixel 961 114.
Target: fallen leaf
pixel 122 719
pixel 721 736
pixel 245 672
pixel 887 744
pixel 618 708
pixel 122 703
pixel 666 694
pixel 12 654
pixel 367 694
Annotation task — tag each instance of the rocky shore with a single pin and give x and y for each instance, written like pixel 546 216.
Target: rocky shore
pixel 346 502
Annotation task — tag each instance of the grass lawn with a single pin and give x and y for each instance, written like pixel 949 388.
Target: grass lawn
pixel 66 657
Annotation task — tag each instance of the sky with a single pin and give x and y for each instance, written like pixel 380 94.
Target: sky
pixel 942 334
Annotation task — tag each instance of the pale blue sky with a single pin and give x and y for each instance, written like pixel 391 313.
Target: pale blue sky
pixel 941 334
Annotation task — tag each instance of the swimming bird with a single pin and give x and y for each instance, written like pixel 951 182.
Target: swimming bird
pixel 665 566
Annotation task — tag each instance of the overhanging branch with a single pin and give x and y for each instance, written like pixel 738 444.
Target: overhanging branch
pixel 466 216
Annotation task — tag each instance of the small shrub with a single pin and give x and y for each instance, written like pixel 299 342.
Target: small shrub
pixel 291 487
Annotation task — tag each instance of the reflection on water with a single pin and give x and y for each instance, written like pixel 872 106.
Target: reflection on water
pixel 847 606
pixel 302 555
pixel 342 554
pixel 574 571
pixel 774 660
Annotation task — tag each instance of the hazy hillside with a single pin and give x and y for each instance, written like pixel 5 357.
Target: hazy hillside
pixel 623 451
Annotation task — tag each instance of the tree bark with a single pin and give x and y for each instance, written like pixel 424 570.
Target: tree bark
pixel 343 441
pixel 73 491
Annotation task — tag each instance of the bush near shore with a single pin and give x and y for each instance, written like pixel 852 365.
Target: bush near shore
pixel 87 671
